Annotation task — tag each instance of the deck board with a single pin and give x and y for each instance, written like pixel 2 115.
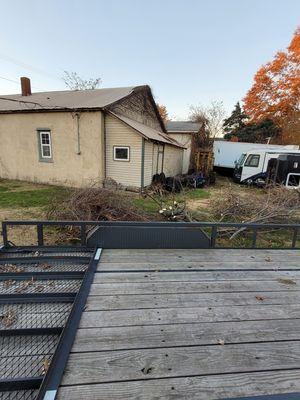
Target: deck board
pixel 170 323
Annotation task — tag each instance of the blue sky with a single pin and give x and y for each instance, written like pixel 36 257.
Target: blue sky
pixel 188 51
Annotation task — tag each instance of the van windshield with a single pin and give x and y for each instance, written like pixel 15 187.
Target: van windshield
pixel 241 160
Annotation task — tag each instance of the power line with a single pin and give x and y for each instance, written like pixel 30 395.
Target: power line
pixel 28 66
pixel 9 80
pixel 18 83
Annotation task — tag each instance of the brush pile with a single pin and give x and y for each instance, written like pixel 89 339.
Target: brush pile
pixel 95 204
pixel 275 204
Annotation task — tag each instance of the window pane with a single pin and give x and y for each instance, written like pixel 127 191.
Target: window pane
pixel 252 161
pixel 45 138
pixel 121 153
pixel 46 151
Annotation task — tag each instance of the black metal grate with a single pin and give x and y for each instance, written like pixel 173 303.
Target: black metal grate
pixel 46 266
pixel 34 313
pixel 11 286
pixel 19 395
pixel 43 253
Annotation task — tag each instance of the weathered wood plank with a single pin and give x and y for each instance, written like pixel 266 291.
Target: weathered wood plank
pixel 129 252
pixel 192 252
pixel 134 337
pixel 211 255
pixel 201 266
pixel 192 388
pixel 94 319
pixel 127 365
pixel 143 277
pixel 102 289
pixel 122 302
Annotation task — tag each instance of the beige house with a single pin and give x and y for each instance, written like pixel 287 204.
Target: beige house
pixel 182 132
pixel 76 138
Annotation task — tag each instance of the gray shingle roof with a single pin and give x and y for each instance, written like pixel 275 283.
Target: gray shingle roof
pixel 182 126
pixel 66 99
pixel 147 131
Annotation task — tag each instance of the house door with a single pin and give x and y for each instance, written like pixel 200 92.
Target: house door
pixel 160 159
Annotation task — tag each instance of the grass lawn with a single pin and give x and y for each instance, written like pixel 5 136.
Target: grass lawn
pixel 15 194
pixel 152 207
pixel 25 201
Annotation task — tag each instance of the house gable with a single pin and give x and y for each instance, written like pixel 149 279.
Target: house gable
pixel 139 106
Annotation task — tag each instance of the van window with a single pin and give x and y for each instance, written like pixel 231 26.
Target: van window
pixel 241 159
pixel 252 160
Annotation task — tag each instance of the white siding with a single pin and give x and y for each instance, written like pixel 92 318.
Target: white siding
pixel 127 173
pixel 148 167
pixel 185 140
pixel 173 160
pixel 157 158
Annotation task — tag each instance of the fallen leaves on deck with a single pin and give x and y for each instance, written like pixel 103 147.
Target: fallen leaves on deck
pixel 287 281
pixel 8 318
pixel 45 366
pixel 11 268
pixel 260 298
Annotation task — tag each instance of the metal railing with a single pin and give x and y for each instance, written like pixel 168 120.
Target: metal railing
pixel 211 230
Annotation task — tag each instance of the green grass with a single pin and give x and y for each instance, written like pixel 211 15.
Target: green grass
pixel 151 207
pixel 146 204
pixel 19 194
pixel 196 194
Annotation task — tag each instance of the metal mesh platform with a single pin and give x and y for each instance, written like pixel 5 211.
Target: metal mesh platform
pixel 11 286
pixel 19 395
pixel 46 266
pixel 37 292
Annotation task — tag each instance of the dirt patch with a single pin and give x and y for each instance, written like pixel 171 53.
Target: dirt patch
pixel 196 204
pixel 22 235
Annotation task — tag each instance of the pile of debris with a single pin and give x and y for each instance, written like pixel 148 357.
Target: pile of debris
pixel 178 183
pixel 275 204
pixel 95 204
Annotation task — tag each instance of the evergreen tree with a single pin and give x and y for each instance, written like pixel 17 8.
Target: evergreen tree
pixel 236 121
pixel 255 132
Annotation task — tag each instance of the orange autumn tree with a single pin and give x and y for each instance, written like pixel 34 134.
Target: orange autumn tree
pixel 163 112
pixel 275 93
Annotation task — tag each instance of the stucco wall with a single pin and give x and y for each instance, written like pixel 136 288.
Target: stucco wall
pixel 127 173
pixel 19 152
pixel 172 160
pixel 185 140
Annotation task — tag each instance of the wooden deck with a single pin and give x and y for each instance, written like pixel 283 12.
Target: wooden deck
pixel 188 324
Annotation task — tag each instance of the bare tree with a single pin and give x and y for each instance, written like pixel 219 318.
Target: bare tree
pixel 74 82
pixel 211 116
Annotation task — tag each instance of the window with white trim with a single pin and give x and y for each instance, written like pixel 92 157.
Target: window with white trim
pixel 45 145
pixel 121 153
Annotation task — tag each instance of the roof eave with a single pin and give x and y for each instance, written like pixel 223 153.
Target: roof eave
pixel 144 136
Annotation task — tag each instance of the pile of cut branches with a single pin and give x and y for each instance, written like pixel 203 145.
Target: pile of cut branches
pixel 169 208
pixel 95 204
pixel 275 204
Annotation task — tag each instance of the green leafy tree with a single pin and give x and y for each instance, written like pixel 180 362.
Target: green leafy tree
pixel 235 121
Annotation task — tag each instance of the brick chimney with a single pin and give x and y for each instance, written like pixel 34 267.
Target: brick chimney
pixel 25 86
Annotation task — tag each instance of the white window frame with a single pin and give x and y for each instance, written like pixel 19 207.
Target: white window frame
pixel 122 159
pixel 45 145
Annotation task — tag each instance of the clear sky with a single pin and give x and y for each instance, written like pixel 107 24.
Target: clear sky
pixel 188 51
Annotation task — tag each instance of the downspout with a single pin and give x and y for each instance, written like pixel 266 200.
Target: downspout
pixel 163 158
pixel 104 145
pixel 77 115
pixel 143 164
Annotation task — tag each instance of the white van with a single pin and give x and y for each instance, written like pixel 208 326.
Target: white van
pixel 227 153
pixel 252 166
